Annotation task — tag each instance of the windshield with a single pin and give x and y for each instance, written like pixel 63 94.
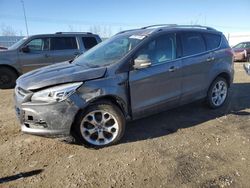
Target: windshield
pixel 241 45
pixel 17 44
pixel 109 51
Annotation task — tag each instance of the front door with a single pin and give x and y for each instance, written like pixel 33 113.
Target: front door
pixel 158 86
pixel 38 54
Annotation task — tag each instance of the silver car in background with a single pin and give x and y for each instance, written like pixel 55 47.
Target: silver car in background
pixel 41 50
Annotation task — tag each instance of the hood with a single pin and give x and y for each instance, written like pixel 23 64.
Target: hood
pixel 58 74
pixel 6 52
pixel 238 49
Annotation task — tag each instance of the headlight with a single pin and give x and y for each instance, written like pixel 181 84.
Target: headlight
pixel 56 94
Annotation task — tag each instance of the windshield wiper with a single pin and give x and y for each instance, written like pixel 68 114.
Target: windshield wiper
pixel 71 61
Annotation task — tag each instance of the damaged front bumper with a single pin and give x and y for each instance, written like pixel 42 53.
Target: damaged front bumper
pixel 47 119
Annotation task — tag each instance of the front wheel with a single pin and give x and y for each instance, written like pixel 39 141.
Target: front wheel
pixel 217 93
pixel 100 125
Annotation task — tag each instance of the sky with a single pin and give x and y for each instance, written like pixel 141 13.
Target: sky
pixel 110 16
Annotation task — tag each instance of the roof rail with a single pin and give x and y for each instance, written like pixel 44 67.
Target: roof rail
pixel 73 32
pixel 146 27
pixel 159 25
pixel 178 26
pixel 126 31
pixel 196 26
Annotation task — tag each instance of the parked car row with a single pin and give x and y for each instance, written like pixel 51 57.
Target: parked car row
pixel 128 76
pixel 42 50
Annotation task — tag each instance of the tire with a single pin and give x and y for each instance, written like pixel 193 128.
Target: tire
pixel 217 93
pixel 101 124
pixel 7 78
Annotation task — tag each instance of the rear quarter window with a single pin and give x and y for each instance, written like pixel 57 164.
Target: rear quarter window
pixel 212 40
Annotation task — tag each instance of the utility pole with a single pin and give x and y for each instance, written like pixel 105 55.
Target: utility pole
pixel 25 19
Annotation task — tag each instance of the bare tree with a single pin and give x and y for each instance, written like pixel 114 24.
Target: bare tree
pixel 71 28
pixel 103 31
pixel 7 30
pixel 109 32
pixel 120 29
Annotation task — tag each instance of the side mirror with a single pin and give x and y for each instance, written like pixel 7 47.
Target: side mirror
pixel 25 49
pixel 141 62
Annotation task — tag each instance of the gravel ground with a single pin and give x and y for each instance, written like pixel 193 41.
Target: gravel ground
pixel 191 146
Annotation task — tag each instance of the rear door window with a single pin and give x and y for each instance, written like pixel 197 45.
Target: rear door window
pixel 63 43
pixel 89 42
pixel 192 43
pixel 212 40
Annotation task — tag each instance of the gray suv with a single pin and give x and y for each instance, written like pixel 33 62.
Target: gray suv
pixel 129 76
pixel 41 50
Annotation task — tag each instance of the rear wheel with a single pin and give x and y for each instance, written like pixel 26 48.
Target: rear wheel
pixel 217 93
pixel 102 124
pixel 7 78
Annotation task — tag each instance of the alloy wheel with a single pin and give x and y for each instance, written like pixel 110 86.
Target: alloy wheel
pixel 219 93
pixel 99 127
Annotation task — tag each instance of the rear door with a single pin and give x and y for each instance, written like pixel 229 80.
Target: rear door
pixel 196 61
pixel 39 54
pixel 64 48
pixel 158 86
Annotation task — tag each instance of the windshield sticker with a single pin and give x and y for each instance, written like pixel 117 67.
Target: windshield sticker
pixel 139 37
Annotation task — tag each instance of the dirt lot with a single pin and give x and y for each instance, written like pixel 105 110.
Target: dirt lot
pixel 191 146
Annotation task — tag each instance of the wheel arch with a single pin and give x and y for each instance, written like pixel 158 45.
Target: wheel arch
pixel 115 100
pixel 11 68
pixel 224 75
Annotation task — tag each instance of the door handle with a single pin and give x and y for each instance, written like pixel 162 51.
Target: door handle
pixel 46 55
pixel 172 69
pixel 210 59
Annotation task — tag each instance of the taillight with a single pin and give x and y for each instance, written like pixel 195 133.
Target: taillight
pixel 229 51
